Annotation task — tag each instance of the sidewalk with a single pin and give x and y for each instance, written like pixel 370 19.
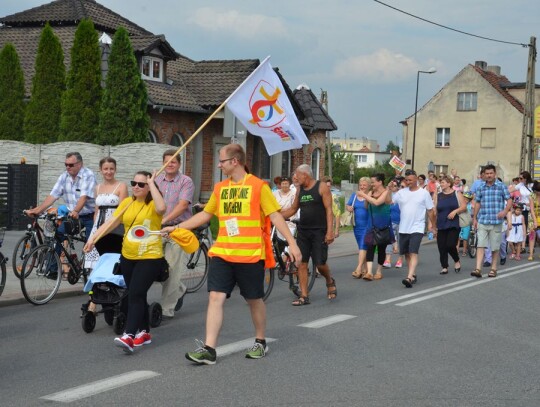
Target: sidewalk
pixel 345 245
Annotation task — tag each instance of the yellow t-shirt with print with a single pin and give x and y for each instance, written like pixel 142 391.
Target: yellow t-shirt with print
pixel 140 214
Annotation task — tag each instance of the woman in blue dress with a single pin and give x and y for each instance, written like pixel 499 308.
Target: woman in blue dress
pixel 356 204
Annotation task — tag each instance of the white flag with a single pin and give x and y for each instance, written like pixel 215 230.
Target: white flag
pixel 261 105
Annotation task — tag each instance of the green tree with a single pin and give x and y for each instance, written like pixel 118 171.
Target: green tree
pixel 82 98
pixel 392 147
pixel 11 95
pixel 42 117
pixel 124 116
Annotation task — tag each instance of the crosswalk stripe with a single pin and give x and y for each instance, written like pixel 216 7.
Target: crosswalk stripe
pixel 100 386
pixel 334 319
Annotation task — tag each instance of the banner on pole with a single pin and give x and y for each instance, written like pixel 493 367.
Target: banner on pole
pixel 261 105
pixel 396 163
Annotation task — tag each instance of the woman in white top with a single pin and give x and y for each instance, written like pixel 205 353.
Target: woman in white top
pixel 108 195
pixel 285 197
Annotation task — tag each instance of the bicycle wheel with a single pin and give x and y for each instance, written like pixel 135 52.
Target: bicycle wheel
pixel 41 275
pixel 269 276
pixel 195 269
pixel 472 242
pixel 22 248
pixel 3 261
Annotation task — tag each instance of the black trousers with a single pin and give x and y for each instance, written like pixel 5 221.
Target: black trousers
pixel 447 240
pixel 381 253
pixel 139 276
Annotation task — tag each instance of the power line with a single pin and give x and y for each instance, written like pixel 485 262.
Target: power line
pixel 450 28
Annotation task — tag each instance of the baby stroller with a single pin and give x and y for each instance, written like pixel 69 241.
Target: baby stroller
pixel 110 291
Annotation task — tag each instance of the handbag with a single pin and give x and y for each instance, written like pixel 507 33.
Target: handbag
pixel 379 236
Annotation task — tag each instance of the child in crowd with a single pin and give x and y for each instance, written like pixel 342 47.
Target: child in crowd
pixel 515 234
pixel 466 230
pixel 395 213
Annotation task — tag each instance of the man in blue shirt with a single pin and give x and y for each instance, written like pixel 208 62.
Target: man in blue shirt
pixel 493 202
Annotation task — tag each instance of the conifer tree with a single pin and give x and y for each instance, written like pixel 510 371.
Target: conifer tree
pixel 42 116
pixel 82 98
pixel 124 116
pixel 11 95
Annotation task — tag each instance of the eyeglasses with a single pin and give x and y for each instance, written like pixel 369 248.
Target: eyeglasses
pixel 139 184
pixel 226 159
pixel 71 165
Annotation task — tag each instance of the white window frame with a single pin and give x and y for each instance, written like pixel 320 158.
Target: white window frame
pixel 315 162
pixel 444 137
pixel 361 158
pixel 151 61
pixel 467 101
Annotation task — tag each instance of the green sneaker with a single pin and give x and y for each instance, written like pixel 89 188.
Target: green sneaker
pixel 257 351
pixel 201 355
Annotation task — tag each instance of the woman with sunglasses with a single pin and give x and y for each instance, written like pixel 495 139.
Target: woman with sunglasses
pixel 142 259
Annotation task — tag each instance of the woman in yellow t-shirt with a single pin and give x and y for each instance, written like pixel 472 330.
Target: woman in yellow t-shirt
pixel 142 258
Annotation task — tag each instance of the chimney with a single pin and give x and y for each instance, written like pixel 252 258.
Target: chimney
pixel 481 64
pixel 496 69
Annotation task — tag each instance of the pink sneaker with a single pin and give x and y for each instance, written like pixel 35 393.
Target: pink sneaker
pixel 142 338
pixel 399 264
pixel 387 265
pixel 125 342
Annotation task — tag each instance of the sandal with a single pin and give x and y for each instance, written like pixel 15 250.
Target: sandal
pixel 408 282
pixel 356 275
pixel 377 276
pixel 301 301
pixel 476 273
pixel 368 277
pixel 331 294
pixel 492 273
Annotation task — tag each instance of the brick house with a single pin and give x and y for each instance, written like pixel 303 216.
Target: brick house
pixel 182 93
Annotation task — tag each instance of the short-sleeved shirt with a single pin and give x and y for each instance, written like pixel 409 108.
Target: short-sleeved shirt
pixel 181 187
pixel 71 190
pixel 140 214
pixel 493 199
pixel 413 206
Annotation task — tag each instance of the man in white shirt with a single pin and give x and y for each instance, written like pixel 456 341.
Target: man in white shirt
pixel 413 203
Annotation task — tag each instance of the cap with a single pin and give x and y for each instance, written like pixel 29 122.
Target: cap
pixel 185 239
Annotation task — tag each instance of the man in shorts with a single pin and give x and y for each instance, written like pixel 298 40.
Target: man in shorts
pixel 243 203
pixel 315 230
pixel 493 202
pixel 413 203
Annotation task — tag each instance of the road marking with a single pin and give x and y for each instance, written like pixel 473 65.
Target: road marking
pixel 100 386
pixel 238 346
pixel 478 282
pixel 442 286
pixel 319 323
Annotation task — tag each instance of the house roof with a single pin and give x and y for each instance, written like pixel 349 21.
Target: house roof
pixel 499 82
pixel 144 44
pixel 315 116
pixel 70 12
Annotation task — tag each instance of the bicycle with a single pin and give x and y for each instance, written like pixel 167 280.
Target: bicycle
pixel 3 261
pixel 472 243
pixel 42 269
pixel 32 238
pixel 196 264
pixel 285 268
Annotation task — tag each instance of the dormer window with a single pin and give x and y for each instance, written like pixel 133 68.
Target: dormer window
pixel 152 68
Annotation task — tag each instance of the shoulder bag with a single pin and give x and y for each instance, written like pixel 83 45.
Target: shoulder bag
pixel 465 218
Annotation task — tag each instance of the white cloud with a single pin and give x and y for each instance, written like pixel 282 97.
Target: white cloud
pixel 381 66
pixel 255 27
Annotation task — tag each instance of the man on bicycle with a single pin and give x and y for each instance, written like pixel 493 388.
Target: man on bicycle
pixel 76 186
pixel 177 190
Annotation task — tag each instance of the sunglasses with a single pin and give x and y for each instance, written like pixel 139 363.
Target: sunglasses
pixel 70 165
pixel 139 184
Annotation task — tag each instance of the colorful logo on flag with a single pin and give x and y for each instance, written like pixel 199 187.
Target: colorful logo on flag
pixel 264 105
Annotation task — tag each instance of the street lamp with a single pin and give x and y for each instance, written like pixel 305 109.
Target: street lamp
pixel 431 70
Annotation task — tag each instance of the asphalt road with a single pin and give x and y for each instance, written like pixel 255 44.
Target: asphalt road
pixel 449 341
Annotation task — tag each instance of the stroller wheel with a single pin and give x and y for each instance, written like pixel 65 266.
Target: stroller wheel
pixel 73 277
pixel 119 323
pixel 156 316
pixel 88 322
pixel 109 316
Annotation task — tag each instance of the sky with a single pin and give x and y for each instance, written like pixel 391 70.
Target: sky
pixel 364 54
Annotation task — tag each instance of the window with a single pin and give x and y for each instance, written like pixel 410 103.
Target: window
pixel 466 101
pixel 151 137
pixel 315 157
pixel 286 163
pixel 152 68
pixel 441 168
pixel 362 158
pixel 488 138
pixel 443 137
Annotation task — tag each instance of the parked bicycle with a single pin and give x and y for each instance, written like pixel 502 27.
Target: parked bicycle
pixel 3 261
pixel 32 238
pixel 285 268
pixel 43 268
pixel 196 267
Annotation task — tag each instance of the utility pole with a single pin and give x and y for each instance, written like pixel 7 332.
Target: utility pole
pixel 324 103
pixel 528 144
